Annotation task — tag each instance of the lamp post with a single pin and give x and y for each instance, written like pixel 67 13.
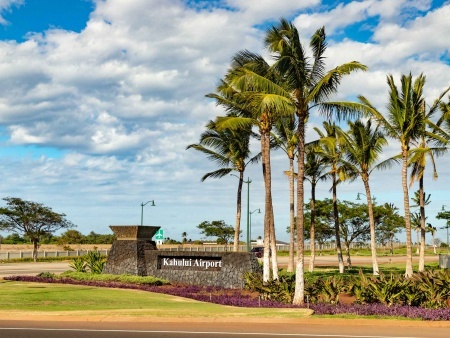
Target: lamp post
pixel 142 209
pixel 358 198
pixel 250 229
pixel 248 211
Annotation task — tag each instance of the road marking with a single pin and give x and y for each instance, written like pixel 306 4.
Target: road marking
pixel 208 332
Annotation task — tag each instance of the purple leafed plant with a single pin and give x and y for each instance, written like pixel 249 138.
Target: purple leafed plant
pixel 241 299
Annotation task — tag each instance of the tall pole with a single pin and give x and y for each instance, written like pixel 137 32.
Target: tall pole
pixel 142 210
pixel 250 229
pixel 248 212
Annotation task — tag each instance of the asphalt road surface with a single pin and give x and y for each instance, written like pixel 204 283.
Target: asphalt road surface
pixel 287 328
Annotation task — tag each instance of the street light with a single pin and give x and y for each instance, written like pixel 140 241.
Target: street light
pixel 248 211
pixel 358 198
pixel 250 229
pixel 142 209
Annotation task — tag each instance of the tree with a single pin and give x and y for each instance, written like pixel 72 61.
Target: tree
pixel 230 149
pixel 32 219
pixel 184 236
pixel 315 170
pixel 363 147
pixel 332 153
pixel 285 137
pixel 309 85
pixel 71 236
pixel 354 225
pixel 323 221
pixel 255 108
pixel 219 229
pixel 387 224
pixel 445 214
pixel 430 144
pixel 403 123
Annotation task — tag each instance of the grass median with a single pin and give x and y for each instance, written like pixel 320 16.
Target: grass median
pixel 70 300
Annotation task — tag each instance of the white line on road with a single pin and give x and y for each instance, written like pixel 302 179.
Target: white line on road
pixel 206 332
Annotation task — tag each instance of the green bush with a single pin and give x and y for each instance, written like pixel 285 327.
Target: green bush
pixel 85 276
pixel 429 289
pixel 93 262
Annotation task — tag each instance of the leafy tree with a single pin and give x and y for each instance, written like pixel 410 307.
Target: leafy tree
pixel 354 225
pixel 230 149
pixel 13 239
pixel 219 229
pixel 94 238
pixel 32 219
pixel 388 223
pixel 71 237
pixel 317 222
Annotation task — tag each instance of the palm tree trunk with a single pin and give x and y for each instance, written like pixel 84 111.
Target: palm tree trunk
pixel 268 212
pixel 273 249
pixel 237 229
pixel 373 244
pixel 313 225
pixel 422 226
pixel 299 293
pixel 408 270
pixel 336 226
pixel 290 267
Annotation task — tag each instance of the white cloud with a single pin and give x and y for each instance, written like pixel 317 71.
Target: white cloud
pixel 123 98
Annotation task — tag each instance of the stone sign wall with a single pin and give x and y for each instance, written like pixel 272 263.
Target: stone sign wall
pixel 133 252
pixel 224 269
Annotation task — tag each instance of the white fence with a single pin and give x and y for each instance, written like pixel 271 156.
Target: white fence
pixel 29 254
pixel 200 248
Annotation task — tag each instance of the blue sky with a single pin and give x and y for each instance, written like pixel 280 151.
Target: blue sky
pixel 99 100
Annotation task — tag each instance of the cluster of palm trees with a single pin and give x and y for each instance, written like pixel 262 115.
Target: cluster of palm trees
pixel 277 100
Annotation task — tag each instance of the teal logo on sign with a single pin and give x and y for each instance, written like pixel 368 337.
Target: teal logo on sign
pixel 159 234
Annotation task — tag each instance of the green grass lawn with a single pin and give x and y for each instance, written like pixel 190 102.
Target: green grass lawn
pixel 85 300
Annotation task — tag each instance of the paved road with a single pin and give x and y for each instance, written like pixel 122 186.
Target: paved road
pixel 188 328
pixel 32 269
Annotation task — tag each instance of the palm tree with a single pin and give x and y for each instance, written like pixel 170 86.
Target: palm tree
pixel 363 146
pixel 315 167
pixel 431 229
pixel 330 150
pixel 418 219
pixel 230 149
pixel 257 108
pixel 430 134
pixel 403 123
pixel 309 85
pixel 285 137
